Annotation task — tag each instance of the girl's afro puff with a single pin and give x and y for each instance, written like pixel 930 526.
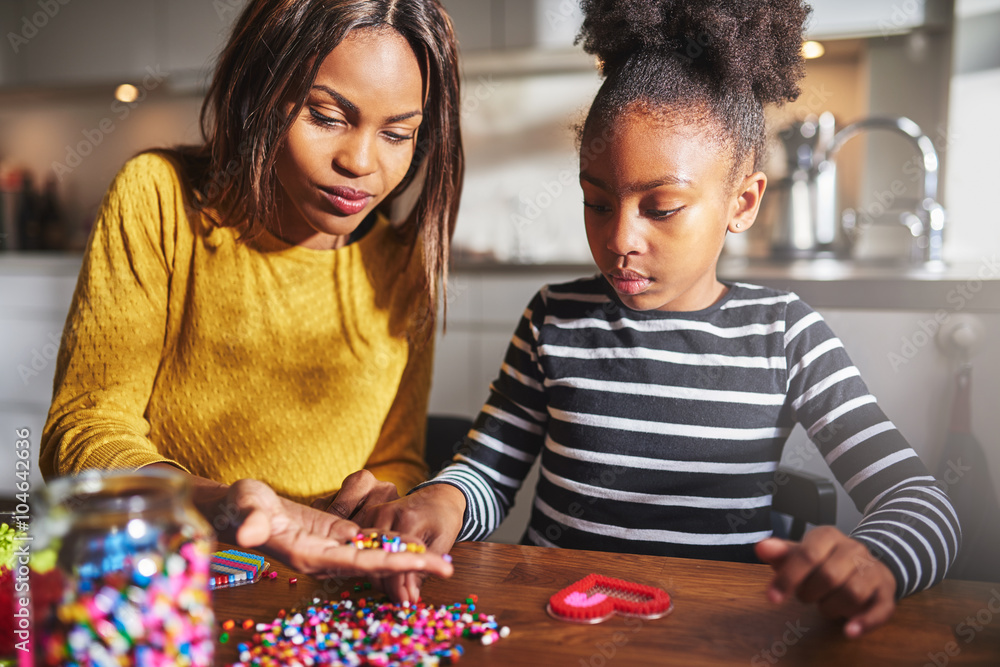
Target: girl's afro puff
pixel 703 59
pixel 740 44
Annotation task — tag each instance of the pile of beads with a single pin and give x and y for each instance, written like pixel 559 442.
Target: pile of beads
pixel 391 544
pixel 370 632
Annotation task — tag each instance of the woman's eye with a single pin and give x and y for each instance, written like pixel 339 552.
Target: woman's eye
pixel 395 138
pixel 321 119
pixel 596 208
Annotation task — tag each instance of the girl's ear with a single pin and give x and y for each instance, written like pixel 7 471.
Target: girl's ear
pixel 747 202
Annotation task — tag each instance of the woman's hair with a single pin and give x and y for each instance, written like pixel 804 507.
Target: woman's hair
pixel 273 55
pixel 707 60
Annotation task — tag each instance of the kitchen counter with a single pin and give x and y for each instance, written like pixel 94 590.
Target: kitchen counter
pixel 967 287
pixel 828 283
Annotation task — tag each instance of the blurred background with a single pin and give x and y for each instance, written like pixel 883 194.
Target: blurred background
pixel 889 227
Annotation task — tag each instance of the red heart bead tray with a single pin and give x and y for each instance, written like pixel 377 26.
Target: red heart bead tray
pixel 596 598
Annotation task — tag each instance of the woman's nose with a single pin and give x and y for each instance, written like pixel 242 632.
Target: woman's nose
pixel 355 154
pixel 625 236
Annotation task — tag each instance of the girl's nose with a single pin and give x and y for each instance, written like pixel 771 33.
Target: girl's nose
pixel 355 154
pixel 625 236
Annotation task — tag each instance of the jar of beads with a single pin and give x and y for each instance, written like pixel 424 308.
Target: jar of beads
pixel 133 555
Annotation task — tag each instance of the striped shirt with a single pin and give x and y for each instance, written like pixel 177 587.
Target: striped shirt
pixel 660 432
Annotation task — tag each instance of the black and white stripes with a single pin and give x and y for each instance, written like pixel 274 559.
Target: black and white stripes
pixel 660 432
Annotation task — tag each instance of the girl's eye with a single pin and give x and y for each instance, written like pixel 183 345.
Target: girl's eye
pixel 320 119
pixel 596 208
pixel 657 214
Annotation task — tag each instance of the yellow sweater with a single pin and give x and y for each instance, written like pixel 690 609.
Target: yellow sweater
pixel 232 360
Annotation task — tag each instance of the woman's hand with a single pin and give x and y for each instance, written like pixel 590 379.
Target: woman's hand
pixel 314 542
pixel 835 571
pixel 250 514
pixel 434 514
pixel 360 492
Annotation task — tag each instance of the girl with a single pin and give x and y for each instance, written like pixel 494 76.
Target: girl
pixel 660 397
pixel 245 311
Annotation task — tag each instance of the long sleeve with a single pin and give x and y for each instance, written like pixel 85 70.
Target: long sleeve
pixel 909 523
pixel 114 334
pixel 398 456
pixel 507 435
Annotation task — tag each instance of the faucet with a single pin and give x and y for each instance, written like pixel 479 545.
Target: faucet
pixel 926 223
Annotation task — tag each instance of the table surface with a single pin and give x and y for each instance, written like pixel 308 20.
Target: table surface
pixel 721 615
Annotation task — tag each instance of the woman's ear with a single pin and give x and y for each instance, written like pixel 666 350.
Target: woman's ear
pixel 747 202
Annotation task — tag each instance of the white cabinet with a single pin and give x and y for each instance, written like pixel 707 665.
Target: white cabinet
pixel 554 24
pixel 86 42
pixel 9 25
pixel 193 33
pixel 35 294
pixel 858 18
pixel 484 25
pixel 60 43
pixel 475 24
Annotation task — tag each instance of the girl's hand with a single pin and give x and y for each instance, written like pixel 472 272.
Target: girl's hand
pixel 837 572
pixel 360 493
pixel 434 514
pixel 311 541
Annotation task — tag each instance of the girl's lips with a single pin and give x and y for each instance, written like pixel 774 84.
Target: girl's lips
pixel 346 201
pixel 629 283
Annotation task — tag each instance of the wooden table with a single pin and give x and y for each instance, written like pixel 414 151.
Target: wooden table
pixel 720 617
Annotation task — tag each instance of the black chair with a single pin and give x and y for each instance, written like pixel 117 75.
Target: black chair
pixel 805 498
pixel 445 435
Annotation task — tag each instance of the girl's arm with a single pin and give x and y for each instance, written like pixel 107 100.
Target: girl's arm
pixel 507 436
pixel 470 498
pixel 909 536
pixel 909 525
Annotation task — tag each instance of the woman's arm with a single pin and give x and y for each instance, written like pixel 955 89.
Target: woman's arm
pixel 114 334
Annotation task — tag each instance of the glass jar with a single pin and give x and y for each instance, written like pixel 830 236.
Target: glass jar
pixel 133 555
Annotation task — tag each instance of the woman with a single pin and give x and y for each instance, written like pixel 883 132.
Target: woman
pixel 245 311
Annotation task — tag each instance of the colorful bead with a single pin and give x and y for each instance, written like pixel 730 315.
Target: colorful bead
pixel 386 543
pixel 144 599
pixel 371 632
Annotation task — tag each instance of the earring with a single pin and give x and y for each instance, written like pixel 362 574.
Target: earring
pixel 738 225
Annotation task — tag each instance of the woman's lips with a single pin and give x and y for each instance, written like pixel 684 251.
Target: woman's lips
pixel 346 201
pixel 629 282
